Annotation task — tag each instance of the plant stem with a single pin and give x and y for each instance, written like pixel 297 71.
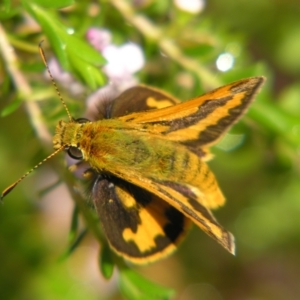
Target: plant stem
pixel 23 88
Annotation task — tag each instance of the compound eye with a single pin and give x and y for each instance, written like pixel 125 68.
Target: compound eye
pixel 82 120
pixel 75 152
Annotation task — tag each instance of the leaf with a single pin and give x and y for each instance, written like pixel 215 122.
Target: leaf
pixel 11 107
pixel 88 72
pixel 73 245
pixel 73 53
pixel 53 3
pixel 106 261
pixel 74 223
pixel 277 121
pixel 135 287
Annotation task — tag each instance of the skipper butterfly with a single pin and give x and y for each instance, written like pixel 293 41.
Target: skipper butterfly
pixel 147 155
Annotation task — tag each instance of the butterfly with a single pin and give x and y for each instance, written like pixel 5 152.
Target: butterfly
pixel 147 156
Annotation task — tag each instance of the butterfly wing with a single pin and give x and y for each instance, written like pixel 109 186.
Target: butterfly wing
pixel 185 202
pixel 139 99
pixel 202 121
pixel 138 225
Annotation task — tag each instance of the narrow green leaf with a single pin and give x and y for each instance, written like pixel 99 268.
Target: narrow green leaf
pixel 48 189
pixel 135 287
pixel 106 261
pixel 10 108
pixel 277 121
pixel 89 73
pixel 54 30
pixel 54 3
pixel 83 50
pixel 74 223
pixel 73 245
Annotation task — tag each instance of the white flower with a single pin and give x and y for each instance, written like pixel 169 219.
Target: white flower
pixel 191 6
pixel 123 61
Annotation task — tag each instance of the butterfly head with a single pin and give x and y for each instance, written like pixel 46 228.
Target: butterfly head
pixel 68 135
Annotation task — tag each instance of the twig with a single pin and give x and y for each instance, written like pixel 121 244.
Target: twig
pixel 169 47
pixel 23 87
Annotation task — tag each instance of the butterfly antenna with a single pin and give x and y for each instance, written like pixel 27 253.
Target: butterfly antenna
pixel 53 81
pixel 12 186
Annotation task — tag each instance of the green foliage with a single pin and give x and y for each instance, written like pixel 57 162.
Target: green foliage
pixel 74 54
pixel 15 104
pixel 106 262
pixel 134 287
pixel 257 167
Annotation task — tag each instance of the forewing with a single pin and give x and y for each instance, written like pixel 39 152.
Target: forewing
pixel 200 122
pixel 138 225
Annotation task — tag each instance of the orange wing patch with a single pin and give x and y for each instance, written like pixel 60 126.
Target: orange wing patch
pixel 201 121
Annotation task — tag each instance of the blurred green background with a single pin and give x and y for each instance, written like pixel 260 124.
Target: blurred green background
pixel 257 164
